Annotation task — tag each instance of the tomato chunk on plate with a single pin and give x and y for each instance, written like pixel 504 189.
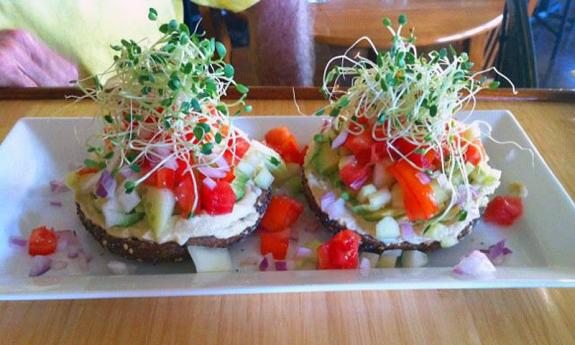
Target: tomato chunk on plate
pixel 219 200
pixel 42 241
pixel 282 212
pixel 276 243
pixel 503 210
pixel 341 252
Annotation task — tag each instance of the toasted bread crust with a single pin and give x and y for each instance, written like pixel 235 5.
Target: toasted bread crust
pixel 368 242
pixel 150 251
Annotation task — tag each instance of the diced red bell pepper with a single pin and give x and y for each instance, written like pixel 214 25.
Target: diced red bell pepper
pixel 86 171
pixel 424 161
pixel 354 175
pixel 219 200
pixel 276 243
pixel 185 196
pixel 403 146
pixel 418 198
pixel 42 241
pixel 284 142
pixel 341 252
pixel 281 213
pixel 503 210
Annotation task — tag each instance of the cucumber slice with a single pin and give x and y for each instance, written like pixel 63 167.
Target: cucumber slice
pixel 414 258
pixel 264 179
pixel 239 184
pixel 388 259
pixel 159 205
pixel 379 199
pixel 387 228
pixel 245 168
pixel 326 160
pixel 131 219
pixel 365 192
pixel 113 215
pixel 210 259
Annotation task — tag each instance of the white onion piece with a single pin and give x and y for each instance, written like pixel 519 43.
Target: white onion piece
pixel 171 163
pixel 423 177
pixel 40 265
pixel 326 200
pixel 407 232
pixel 211 184
pixel 222 164
pixel 212 172
pixel 117 267
pixel 340 139
pixel 443 182
pixel 58 187
pixel 126 172
pixel 475 264
pixel 364 264
pixel 336 209
pixel 303 252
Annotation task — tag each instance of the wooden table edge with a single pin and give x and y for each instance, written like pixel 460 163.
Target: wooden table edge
pixel 302 93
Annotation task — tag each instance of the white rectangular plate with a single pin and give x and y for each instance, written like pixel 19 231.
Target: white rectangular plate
pixel 39 150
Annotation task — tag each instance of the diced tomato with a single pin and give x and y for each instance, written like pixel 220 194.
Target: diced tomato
pixel 185 196
pixel 418 197
pixel 354 175
pixel 219 200
pixel 86 171
pixel 230 176
pixel 503 210
pixel 474 153
pixel 360 145
pixel 281 213
pixel 242 146
pixel 341 252
pixel 379 151
pixel 403 146
pixel 165 178
pixel 42 241
pixel 284 142
pixel 276 243
pixel 424 161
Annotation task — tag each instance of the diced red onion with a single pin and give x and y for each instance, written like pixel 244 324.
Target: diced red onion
pixel 68 241
pixel 222 164
pixel 266 262
pixel 340 139
pixel 106 184
pixel 58 187
pixel 40 265
pixel 171 163
pixel 126 172
pixel 365 264
pixel 56 203
pixel 59 265
pixel 442 181
pixel 378 175
pixel 17 241
pixel 117 267
pixel 462 194
pixel 497 252
pixel 212 172
pixel 281 266
pixel 303 252
pixel 336 209
pixel 474 264
pixel 357 184
pixel 211 184
pixel 423 177
pixel 407 231
pixel 326 200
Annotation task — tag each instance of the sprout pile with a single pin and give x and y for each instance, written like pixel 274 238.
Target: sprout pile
pixel 162 103
pixel 407 96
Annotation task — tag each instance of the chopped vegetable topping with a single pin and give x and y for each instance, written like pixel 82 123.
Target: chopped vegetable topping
pixel 42 241
pixel 504 210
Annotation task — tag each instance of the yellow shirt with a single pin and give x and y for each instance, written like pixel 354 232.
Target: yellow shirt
pixel 84 30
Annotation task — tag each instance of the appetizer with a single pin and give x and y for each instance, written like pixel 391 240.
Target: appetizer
pixel 169 170
pixel 393 163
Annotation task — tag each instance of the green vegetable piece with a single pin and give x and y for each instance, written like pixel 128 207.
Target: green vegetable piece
pixel 242 88
pixel 229 71
pixel 152 14
pixel 221 49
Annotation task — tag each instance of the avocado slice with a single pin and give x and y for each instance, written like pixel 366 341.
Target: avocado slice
pixel 326 159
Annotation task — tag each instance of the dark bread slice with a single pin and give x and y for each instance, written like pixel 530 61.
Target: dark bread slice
pixel 368 242
pixel 149 251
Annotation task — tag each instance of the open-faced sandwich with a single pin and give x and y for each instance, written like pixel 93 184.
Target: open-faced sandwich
pixel 393 163
pixel 169 169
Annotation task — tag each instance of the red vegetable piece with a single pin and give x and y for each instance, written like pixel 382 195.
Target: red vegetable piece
pixel 165 178
pixel 503 210
pixel 341 252
pixel 219 200
pixel 360 145
pixel 474 153
pixel 185 196
pixel 42 241
pixel 284 142
pixel 281 213
pixel 276 243
pixel 354 175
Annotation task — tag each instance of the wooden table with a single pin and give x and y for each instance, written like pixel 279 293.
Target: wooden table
pixel 515 316
pixel 342 22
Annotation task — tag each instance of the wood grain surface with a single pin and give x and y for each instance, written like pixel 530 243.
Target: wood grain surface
pixel 436 21
pixel 513 316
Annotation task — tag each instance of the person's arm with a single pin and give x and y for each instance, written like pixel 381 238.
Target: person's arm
pixel 27 62
pixel 281 42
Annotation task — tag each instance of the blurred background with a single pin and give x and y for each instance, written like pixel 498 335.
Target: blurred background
pixel 289 42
